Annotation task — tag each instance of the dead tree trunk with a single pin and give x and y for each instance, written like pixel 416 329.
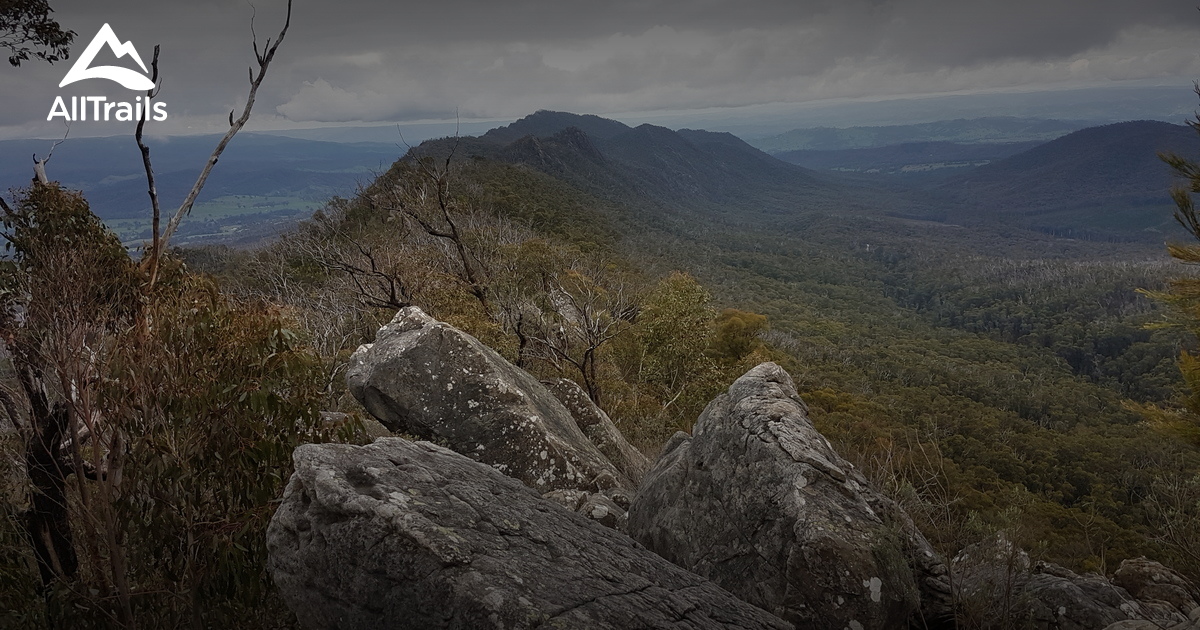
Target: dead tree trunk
pixel 48 523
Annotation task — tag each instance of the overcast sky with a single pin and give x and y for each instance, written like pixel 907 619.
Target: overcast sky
pixel 365 61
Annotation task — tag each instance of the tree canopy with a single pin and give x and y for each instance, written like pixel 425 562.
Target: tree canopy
pixel 27 29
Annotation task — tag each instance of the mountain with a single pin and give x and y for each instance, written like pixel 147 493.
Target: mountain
pixel 907 159
pixel 1100 182
pixel 1014 355
pixel 544 123
pixel 679 173
pixel 974 130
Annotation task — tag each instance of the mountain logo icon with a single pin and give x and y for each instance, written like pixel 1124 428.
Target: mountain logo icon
pixel 126 77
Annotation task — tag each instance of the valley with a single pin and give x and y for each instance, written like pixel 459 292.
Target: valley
pixel 600 316
pixel 979 340
pixel 993 357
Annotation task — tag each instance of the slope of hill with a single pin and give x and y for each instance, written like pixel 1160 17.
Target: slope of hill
pixel 1007 359
pixel 1100 182
pixel 680 173
pixel 1013 354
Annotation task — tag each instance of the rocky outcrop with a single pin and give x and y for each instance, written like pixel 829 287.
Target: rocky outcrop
pixel 758 501
pixel 599 429
pixel 1193 623
pixel 426 378
pixel 1155 585
pixel 998 580
pixel 412 535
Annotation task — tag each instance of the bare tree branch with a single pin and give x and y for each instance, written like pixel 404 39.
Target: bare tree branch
pixel 264 61
pixel 152 190
pixel 39 166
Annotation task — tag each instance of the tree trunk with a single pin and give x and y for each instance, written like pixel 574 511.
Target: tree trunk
pixel 48 522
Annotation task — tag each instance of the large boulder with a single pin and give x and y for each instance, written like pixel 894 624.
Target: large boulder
pixel 758 501
pixel 1154 584
pixel 429 379
pixel 996 579
pixel 600 429
pixel 401 535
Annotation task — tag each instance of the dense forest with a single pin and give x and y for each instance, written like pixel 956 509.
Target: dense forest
pixel 990 377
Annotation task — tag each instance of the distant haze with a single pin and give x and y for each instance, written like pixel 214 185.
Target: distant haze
pixel 758 67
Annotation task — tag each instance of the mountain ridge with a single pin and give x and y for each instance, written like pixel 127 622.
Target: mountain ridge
pixel 1104 180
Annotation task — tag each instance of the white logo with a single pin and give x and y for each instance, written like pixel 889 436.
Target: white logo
pixel 102 109
pixel 126 77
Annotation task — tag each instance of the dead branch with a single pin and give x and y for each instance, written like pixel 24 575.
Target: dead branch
pixel 475 273
pixel 152 190
pixel 375 284
pixel 264 61
pixel 39 166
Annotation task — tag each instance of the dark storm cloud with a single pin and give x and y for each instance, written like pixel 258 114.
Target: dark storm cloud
pixel 363 60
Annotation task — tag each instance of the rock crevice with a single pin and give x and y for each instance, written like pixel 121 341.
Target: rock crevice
pixel 426 378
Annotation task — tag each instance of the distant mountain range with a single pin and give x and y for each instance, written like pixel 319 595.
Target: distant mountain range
pixel 994 130
pixel 910 159
pixel 1101 182
pixel 1097 183
pixel 682 172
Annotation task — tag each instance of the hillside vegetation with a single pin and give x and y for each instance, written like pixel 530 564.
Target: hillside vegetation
pixel 990 375
pixel 1100 183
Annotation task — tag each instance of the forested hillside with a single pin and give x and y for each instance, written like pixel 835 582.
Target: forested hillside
pixel 988 375
pixel 1100 183
pixel 991 376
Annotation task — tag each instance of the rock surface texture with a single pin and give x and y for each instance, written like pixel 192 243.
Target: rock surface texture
pixel 599 429
pixel 412 535
pixel 1155 585
pixel 1193 623
pixel 998 580
pixel 429 379
pixel 758 501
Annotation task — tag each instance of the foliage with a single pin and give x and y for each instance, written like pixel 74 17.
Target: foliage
pixel 184 407
pixel 545 287
pixel 26 28
pixel 984 376
pixel 737 334
pixel 1174 495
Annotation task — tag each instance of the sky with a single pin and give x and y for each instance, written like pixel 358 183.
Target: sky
pixel 363 62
